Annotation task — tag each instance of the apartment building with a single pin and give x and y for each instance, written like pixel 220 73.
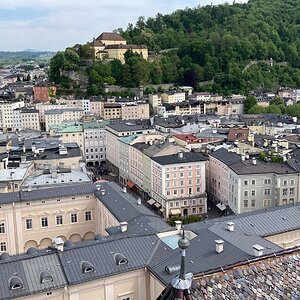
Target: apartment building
pixel 70 133
pixel 250 184
pixel 125 111
pixel 155 101
pixel 178 183
pixel 60 116
pixel 95 107
pixel 182 109
pixel 122 129
pixel 173 97
pixel 6 113
pixel 44 92
pixel 95 142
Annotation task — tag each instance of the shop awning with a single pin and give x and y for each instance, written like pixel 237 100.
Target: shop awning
pixel 221 206
pixel 175 212
pixel 130 184
pixel 157 205
pixel 151 201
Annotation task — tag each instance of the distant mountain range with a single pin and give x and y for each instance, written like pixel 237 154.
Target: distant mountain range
pixel 24 56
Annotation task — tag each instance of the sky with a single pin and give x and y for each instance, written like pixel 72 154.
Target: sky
pixel 57 24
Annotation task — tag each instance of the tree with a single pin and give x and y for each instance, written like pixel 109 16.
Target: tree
pixel 249 102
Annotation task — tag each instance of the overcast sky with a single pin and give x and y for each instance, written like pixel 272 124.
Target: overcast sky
pixel 56 24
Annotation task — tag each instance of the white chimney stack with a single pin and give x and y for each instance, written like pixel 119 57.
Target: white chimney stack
pixel 258 250
pixel 243 157
pixel 124 190
pixel 219 246
pixel 180 154
pixel 178 225
pixel 230 226
pixel 58 243
pixel 123 226
pixel 98 187
pixel 253 160
pixel 139 201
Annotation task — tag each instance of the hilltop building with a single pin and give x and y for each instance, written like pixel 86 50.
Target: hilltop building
pixel 111 45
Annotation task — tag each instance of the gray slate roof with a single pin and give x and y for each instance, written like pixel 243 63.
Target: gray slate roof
pixel 188 157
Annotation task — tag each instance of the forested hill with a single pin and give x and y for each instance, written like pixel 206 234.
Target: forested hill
pixel 229 45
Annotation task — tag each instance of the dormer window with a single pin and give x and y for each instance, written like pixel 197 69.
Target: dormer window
pixel 15 283
pixel 45 277
pixel 87 267
pixel 120 259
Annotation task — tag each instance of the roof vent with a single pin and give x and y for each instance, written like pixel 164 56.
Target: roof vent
pixel 253 160
pixel 180 154
pixel 124 190
pixel 124 226
pixel 103 192
pixel 230 226
pixel 4 256
pixel 258 250
pixel 243 157
pixel 31 250
pixel 172 269
pixel 15 283
pixel 120 259
pixel 87 267
pixel 98 187
pixel 219 246
pixel 58 243
pixel 178 224
pixel 45 277
pixel 139 201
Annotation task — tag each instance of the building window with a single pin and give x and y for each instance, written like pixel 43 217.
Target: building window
pixel 267 181
pixel 245 203
pixel 267 192
pixel 59 220
pixel 292 200
pixel 88 216
pixel 245 193
pixel 74 218
pixel 3 246
pixel 245 182
pixel 292 181
pixel 44 222
pixel 253 193
pixel 2 228
pixel 253 182
pixel 292 191
pixel 252 203
pixel 267 202
pixel 284 182
pixel 175 192
pixel 28 223
pixel 171 204
pixel 284 192
pixel 177 203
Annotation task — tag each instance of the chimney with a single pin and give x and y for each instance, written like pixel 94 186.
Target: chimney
pixel 178 225
pixel 230 226
pixel 219 246
pixel 243 157
pixel 123 226
pixel 103 192
pixel 58 243
pixel 247 155
pixel 258 250
pixel 53 174
pixel 253 160
pixel 180 154
pixel 63 150
pixel 124 190
pixel 139 201
pixel 276 149
pixel 98 187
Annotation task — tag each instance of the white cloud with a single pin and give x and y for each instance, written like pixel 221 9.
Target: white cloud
pixel 63 23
